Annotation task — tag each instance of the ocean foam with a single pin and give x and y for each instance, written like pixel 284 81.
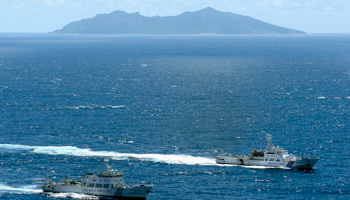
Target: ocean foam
pixel 72 195
pixel 121 106
pixel 261 167
pixel 96 107
pixel 4 188
pixel 31 189
pixel 74 151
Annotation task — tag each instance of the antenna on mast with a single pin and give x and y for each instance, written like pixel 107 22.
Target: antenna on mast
pixel 108 167
pixel 269 141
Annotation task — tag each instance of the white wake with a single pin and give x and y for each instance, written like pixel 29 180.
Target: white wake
pixel 161 158
pixel 20 190
pixel 74 151
pixel 32 189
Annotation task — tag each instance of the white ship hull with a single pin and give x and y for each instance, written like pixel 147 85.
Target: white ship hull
pixel 133 192
pixel 271 157
pixel 109 183
pixel 304 163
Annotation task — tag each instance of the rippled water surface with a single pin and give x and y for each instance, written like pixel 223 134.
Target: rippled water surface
pixel 163 107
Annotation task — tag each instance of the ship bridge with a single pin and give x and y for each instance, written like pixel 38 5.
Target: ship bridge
pixel 110 173
pixel 271 149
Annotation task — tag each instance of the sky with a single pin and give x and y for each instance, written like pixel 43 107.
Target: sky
pixel 311 16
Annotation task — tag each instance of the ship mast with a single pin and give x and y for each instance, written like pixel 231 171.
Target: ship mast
pixel 108 167
pixel 269 141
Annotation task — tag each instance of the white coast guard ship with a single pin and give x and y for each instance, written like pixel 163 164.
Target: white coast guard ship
pixel 272 157
pixel 107 184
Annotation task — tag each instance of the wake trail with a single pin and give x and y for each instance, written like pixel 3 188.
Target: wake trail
pixel 19 190
pixel 181 159
pixel 31 189
pixel 75 151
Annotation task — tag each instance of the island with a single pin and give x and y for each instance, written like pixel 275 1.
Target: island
pixel 206 21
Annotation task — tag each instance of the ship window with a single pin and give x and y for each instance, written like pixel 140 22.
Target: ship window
pixel 272 159
pixel 277 160
pixel 106 186
pixel 91 184
pixel 98 185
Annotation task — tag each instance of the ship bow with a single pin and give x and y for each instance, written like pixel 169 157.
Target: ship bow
pixel 305 163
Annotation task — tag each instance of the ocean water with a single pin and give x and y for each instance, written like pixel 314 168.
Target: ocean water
pixel 163 107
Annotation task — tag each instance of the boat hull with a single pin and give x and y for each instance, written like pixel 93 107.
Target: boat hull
pixel 134 192
pixel 305 163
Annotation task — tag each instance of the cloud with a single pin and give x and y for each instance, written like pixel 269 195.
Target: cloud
pixel 19 6
pixel 133 2
pixel 240 9
pixel 282 4
pixel 54 3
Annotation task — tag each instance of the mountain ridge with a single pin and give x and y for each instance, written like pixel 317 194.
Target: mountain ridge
pixel 205 21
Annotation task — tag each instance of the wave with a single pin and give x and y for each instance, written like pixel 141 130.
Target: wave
pixel 263 167
pixel 31 189
pixel 96 107
pixel 72 195
pixel 75 151
pixel 19 190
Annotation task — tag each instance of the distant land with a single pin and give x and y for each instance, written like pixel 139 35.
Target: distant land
pixel 205 21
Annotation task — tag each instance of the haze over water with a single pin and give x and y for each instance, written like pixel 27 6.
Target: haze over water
pixel 163 107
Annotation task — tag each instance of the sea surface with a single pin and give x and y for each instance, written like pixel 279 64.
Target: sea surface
pixel 163 107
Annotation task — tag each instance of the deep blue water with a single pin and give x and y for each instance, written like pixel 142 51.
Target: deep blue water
pixel 163 107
